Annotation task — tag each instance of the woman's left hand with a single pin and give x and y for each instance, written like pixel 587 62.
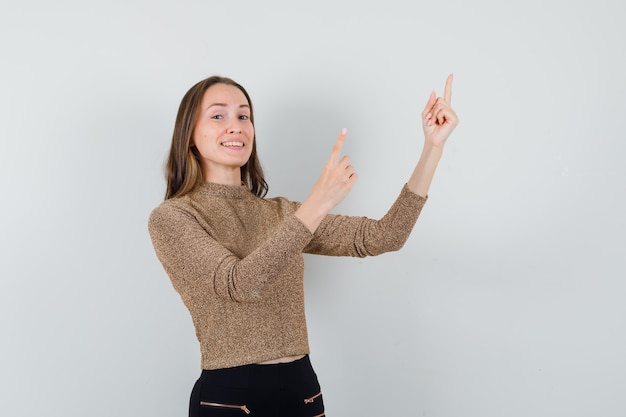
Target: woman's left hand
pixel 438 118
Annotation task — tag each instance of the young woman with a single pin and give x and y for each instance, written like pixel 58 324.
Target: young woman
pixel 235 257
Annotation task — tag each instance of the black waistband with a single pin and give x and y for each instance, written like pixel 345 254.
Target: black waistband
pixel 256 371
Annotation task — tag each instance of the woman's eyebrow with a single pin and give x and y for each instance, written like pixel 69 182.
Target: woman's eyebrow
pixel 225 105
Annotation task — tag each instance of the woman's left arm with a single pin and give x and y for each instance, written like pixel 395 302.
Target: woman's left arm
pixel 339 235
pixel 361 236
pixel 438 121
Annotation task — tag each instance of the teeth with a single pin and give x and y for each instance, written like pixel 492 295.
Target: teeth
pixel 228 144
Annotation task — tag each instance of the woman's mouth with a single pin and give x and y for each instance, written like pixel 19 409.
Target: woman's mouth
pixel 233 144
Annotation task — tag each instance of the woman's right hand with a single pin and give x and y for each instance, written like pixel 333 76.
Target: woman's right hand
pixel 331 188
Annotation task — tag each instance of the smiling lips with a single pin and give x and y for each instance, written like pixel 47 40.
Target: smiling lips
pixel 232 144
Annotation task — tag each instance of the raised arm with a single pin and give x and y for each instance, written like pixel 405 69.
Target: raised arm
pixel 331 188
pixel 338 176
pixel 438 121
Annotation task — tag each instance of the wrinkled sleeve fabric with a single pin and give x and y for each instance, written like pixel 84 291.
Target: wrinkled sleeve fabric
pixel 361 236
pixel 191 257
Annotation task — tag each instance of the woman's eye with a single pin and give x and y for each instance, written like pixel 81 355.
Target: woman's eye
pixel 244 117
pixel 217 116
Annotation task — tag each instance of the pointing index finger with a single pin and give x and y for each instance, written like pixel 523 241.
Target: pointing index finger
pixel 447 93
pixel 338 146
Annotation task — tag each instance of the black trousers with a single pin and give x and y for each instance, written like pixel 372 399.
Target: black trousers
pixel 280 390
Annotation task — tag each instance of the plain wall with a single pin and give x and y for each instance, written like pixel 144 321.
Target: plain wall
pixel 507 300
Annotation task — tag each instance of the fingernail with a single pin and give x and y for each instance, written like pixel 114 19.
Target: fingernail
pixel 344 131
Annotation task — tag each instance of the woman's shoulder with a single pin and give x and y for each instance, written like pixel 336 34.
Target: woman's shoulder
pixel 282 202
pixel 172 212
pixel 172 204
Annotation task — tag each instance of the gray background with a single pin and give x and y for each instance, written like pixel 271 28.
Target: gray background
pixel 506 301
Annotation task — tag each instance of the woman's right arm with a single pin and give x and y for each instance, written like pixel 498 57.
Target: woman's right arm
pixel 191 256
pixel 331 188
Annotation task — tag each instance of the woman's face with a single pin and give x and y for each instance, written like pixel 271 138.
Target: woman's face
pixel 223 134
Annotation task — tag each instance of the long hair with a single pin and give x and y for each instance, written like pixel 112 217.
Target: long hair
pixel 183 171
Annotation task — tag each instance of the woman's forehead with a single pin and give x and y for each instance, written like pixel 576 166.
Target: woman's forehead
pixel 224 94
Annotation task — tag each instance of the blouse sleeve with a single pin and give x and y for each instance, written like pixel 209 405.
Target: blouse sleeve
pixel 360 236
pixel 191 256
